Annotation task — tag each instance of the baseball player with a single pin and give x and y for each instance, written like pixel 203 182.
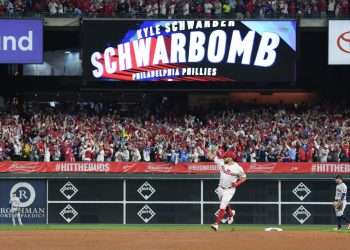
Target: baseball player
pixel 231 176
pixel 15 209
pixel 340 202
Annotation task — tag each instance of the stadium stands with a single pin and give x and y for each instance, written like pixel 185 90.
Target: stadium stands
pixel 177 8
pixel 97 132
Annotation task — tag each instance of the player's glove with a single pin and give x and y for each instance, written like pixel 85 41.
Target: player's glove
pixel 338 205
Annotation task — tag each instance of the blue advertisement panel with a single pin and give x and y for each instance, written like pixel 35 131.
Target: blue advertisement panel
pixel 21 41
pixel 25 199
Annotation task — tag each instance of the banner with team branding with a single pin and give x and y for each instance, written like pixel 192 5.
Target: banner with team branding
pixel 32 201
pixel 189 50
pixel 339 42
pixel 170 168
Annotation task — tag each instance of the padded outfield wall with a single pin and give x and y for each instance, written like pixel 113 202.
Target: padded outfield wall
pixel 166 198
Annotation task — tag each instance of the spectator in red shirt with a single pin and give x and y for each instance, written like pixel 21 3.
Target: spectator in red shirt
pixel 310 152
pixel 2 9
pixel 302 154
pixel 292 8
pixel 344 8
pixel 108 9
pixel 250 8
pixel 322 6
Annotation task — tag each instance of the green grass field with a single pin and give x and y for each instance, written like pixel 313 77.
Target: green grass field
pixel 166 227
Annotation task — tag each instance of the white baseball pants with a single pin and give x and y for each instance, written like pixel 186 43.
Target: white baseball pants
pixel 225 196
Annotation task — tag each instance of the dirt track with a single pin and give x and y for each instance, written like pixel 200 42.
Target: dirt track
pixel 131 240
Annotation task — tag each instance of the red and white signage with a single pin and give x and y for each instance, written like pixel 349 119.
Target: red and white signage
pixel 169 168
pixel 339 42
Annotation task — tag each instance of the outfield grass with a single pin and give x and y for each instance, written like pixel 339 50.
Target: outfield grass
pixel 166 227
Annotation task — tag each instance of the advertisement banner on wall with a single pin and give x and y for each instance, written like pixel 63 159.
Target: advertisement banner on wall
pixel 21 41
pixel 31 204
pixel 189 50
pixel 339 42
pixel 171 168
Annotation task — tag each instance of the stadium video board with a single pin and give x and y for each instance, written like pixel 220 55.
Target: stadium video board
pixel 339 42
pixel 21 41
pixel 189 50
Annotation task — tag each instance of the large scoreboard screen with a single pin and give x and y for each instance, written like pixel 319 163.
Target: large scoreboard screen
pixel 189 50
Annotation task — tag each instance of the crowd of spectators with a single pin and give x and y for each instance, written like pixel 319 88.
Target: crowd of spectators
pixel 178 8
pixel 97 132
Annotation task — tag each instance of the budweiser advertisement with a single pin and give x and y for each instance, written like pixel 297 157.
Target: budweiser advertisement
pixel 339 42
pixel 189 50
pixel 169 168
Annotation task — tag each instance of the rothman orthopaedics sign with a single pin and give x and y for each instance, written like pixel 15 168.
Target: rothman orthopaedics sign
pixel 196 50
pixel 21 41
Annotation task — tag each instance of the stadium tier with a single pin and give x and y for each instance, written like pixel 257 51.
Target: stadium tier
pixel 248 133
pixel 178 8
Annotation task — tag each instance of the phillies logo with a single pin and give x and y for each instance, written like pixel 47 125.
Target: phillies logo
pixel 343 42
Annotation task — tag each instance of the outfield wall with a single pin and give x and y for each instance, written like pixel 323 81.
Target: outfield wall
pixel 168 199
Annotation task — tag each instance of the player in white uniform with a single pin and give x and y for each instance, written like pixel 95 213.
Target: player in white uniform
pixel 231 176
pixel 340 202
pixel 15 209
